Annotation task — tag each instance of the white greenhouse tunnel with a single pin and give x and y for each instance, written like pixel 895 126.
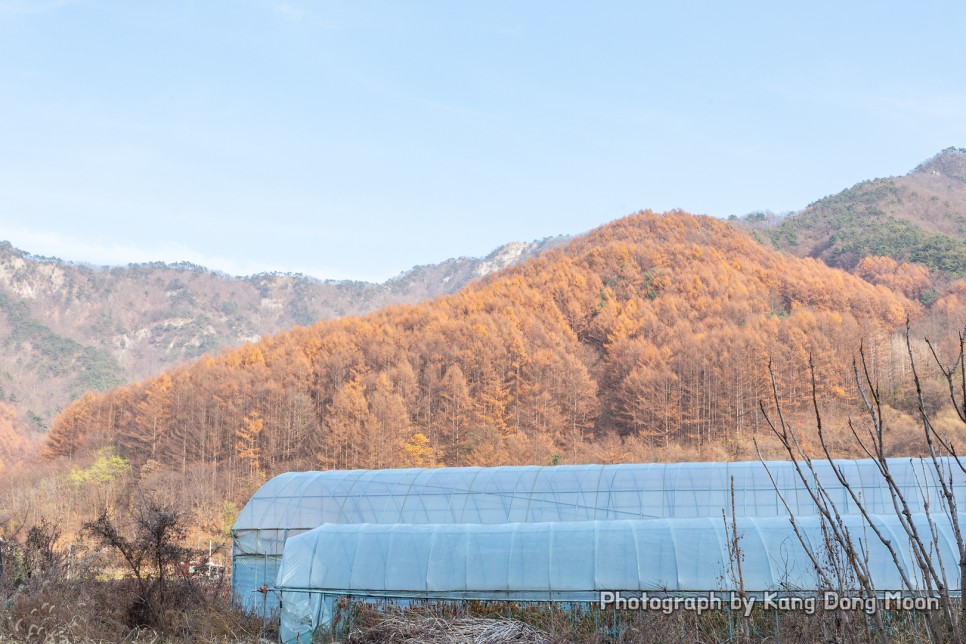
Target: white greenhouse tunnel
pixel 573 561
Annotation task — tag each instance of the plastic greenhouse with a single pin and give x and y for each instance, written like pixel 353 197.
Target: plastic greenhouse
pixel 566 562
pixel 372 502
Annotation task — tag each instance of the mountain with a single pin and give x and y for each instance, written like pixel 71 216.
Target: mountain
pixel 67 328
pixel 656 329
pixel 919 217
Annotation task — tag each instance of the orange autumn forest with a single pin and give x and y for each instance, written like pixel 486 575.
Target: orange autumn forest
pixel 648 338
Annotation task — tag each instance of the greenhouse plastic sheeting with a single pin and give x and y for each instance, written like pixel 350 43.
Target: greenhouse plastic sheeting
pixel 295 502
pixel 571 561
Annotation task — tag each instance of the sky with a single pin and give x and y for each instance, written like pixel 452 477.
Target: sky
pixel 354 140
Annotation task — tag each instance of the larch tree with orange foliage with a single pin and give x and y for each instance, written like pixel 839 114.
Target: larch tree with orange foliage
pixel 248 444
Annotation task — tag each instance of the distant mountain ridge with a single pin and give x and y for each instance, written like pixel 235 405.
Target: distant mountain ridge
pixel 919 217
pixel 67 327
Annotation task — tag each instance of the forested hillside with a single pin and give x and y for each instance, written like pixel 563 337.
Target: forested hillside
pixel 655 328
pixel 919 218
pixel 67 328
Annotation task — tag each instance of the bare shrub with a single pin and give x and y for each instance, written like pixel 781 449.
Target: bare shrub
pixel 148 540
pixel 150 549
pixel 841 562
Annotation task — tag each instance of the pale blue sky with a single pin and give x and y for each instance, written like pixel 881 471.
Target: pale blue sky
pixel 357 139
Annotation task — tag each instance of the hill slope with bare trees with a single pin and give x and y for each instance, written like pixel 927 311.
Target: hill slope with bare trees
pixel 918 218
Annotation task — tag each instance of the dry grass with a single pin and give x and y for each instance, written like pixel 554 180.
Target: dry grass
pixel 90 611
pixel 95 612
pixel 491 622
